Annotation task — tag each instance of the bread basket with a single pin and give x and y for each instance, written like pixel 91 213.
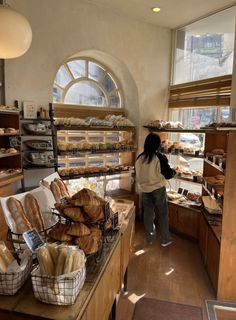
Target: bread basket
pixel 61 290
pixel 12 281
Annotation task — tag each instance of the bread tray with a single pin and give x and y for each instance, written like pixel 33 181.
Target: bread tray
pixel 36 128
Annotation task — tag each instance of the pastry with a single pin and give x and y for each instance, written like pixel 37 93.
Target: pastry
pixel 94 212
pixel 74 213
pixel 60 233
pixel 88 244
pixel 33 212
pixel 18 215
pixel 78 260
pixel 78 230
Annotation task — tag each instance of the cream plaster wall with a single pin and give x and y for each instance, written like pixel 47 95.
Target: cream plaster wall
pixel 137 52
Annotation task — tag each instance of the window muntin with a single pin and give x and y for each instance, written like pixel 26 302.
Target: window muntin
pixel 205 48
pixel 86 83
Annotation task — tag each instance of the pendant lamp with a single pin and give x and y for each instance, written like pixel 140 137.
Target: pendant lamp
pixel 15 33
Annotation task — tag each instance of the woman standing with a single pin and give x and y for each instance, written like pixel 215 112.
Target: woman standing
pixel 152 168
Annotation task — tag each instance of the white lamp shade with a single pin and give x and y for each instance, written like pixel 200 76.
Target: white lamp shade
pixel 15 33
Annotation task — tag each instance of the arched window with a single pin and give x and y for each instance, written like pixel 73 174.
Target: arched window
pixel 86 83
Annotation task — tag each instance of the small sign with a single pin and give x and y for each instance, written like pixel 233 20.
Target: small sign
pixel 180 190
pixel 33 239
pixel 14 142
pixel 185 192
pixel 115 220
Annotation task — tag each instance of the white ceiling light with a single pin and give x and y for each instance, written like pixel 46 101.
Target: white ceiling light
pixel 156 9
pixel 15 33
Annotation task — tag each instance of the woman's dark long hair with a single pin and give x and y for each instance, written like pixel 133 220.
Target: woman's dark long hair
pixel 151 145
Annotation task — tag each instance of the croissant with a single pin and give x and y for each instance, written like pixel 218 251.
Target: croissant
pixel 96 233
pixel 83 197
pixel 18 214
pixel 74 213
pixel 78 230
pixel 88 244
pixel 60 233
pixel 63 188
pixel 95 213
pixel 33 212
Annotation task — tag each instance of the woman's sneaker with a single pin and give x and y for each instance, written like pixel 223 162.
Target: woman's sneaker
pixel 165 244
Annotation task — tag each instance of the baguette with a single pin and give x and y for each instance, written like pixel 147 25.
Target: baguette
pixel 68 263
pixel 56 191
pixel 18 215
pixel 53 250
pixel 61 261
pixel 3 266
pixel 78 261
pixel 63 188
pixel 6 254
pixel 33 212
pixel 46 264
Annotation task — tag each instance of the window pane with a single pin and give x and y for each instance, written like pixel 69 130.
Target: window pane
pixel 198 117
pixel 225 115
pixel 63 77
pixel 205 48
pixel 86 93
pixel 95 72
pixel 108 83
pixel 114 100
pixel 57 94
pixel 78 68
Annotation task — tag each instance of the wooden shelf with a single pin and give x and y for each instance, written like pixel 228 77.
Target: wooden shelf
pixel 93 128
pixel 9 155
pixel 186 179
pixel 11 179
pixel 175 130
pixel 9 134
pixel 97 174
pixel 214 165
pixel 36 119
pixel 88 152
pixel 13 112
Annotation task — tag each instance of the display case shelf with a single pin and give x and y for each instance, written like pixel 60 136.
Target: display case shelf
pixel 97 174
pixel 93 128
pixel 214 165
pixel 84 152
pixel 174 130
pixel 7 155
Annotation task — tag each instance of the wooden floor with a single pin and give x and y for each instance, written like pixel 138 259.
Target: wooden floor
pixel 174 273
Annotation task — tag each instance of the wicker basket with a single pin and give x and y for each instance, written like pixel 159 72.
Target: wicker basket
pixel 11 282
pixel 61 290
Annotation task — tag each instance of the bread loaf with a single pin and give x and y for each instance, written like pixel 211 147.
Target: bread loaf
pixel 78 230
pixel 60 233
pixel 78 260
pixel 74 213
pixel 18 215
pixel 46 264
pixel 61 261
pixel 6 254
pixel 68 263
pixel 33 212
pixel 53 250
pixel 63 188
pixel 56 191
pixel 3 265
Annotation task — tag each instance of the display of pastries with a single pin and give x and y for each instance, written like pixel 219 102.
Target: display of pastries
pixel 8 150
pixel 162 124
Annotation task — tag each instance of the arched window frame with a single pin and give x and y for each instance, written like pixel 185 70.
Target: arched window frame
pixel 99 84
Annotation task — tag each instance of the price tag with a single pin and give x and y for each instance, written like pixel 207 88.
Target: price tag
pixel 185 192
pixel 180 190
pixel 64 201
pixel 115 220
pixel 33 239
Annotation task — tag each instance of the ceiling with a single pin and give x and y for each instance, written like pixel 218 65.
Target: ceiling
pixel 174 13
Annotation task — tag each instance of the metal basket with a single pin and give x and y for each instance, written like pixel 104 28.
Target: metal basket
pixel 11 282
pixel 62 290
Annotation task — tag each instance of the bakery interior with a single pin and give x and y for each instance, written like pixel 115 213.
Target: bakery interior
pixel 82 83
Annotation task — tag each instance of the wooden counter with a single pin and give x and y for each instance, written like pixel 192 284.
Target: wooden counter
pixel 103 282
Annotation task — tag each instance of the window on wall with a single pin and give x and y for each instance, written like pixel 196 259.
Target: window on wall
pixel 205 49
pixel 86 83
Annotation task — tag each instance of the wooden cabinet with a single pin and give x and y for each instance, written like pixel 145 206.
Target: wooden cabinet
pixel 184 221
pixel 213 257
pixel 221 249
pixel 203 237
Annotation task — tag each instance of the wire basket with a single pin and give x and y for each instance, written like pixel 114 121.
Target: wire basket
pixel 61 290
pixel 11 282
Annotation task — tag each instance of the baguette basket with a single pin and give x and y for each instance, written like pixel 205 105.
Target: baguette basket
pixel 11 282
pixel 59 290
